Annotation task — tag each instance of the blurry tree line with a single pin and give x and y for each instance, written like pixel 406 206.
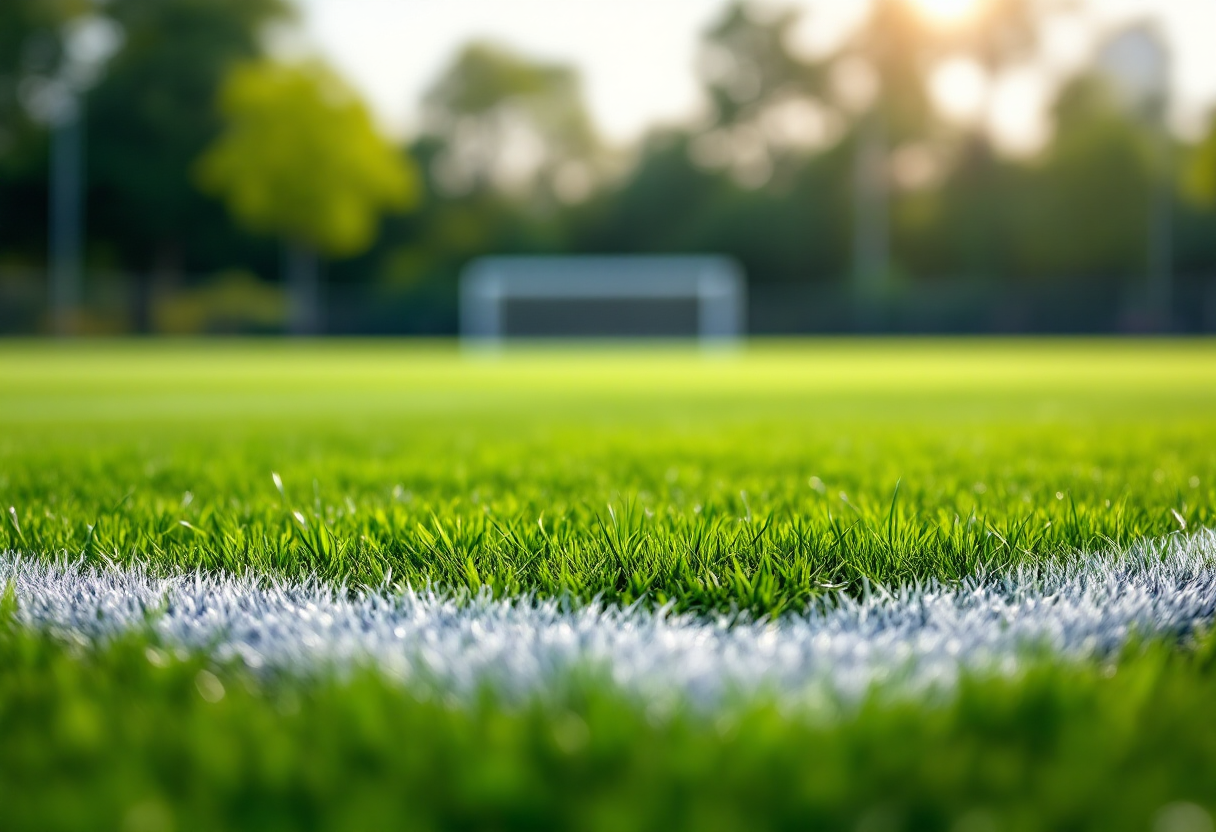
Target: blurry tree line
pixel 226 187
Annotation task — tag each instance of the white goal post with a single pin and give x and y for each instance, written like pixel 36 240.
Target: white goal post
pixel 701 297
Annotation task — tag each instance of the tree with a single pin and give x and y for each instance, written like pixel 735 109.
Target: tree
pixel 767 105
pixel 757 179
pixel 1196 228
pixel 511 124
pixel 1199 178
pixel 506 147
pixel 747 64
pixel 1088 204
pixel 149 119
pixel 32 56
pixel 300 158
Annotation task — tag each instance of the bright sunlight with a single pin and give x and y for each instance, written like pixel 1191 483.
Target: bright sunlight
pixel 947 11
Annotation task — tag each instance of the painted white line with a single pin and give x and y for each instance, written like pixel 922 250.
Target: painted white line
pixel 915 640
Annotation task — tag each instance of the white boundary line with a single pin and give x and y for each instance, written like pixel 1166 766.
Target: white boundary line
pixel 916 640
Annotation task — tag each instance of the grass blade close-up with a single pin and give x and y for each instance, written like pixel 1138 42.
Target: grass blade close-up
pixel 871 584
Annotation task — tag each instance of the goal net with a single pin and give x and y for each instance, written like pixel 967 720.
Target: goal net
pixel 602 297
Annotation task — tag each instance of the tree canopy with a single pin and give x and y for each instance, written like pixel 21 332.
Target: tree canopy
pixel 199 150
pixel 152 115
pixel 505 121
pixel 32 55
pixel 300 157
pixel 1200 175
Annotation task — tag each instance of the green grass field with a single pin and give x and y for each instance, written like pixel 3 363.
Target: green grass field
pixel 755 481
pixel 752 481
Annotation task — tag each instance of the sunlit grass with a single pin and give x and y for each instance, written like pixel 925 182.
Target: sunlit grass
pixel 755 479
pixel 133 737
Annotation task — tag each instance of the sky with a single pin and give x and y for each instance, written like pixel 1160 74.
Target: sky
pixel 637 57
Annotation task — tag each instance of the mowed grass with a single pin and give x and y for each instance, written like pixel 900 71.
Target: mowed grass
pixel 751 480
pixel 132 738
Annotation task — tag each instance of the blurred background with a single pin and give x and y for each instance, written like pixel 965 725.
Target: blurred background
pixel 331 166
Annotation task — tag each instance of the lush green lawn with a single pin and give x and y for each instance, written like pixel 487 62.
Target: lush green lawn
pixel 751 480
pixel 111 740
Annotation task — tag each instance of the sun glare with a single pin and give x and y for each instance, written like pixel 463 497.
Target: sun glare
pixel 947 11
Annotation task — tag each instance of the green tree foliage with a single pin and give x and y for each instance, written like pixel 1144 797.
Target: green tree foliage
pixel 504 122
pixel 152 116
pixel 1200 174
pixel 759 180
pixel 31 50
pixel 1077 212
pixel 901 45
pixel 1085 207
pixel 512 160
pixel 896 46
pixel 767 102
pixel 32 54
pixel 508 150
pixel 747 63
pixel 789 230
pixel 300 158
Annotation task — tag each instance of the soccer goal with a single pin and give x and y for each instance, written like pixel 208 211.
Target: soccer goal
pixel 606 297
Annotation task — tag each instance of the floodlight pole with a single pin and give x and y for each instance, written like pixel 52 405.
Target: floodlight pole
pixel 1161 223
pixel 1138 61
pixel 66 218
pixel 303 279
pixel 871 214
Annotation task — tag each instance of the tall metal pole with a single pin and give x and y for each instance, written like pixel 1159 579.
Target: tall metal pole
pixel 1138 62
pixel 66 218
pixel 871 218
pixel 303 273
pixel 1161 224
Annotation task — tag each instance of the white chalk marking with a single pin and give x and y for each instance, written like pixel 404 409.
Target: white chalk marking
pixel 914 640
